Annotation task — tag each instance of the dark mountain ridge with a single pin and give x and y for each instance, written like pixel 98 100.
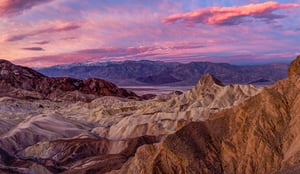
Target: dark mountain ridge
pixel 18 81
pixel 144 72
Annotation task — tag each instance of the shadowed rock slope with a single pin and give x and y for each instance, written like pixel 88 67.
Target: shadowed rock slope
pixel 55 144
pixel 261 135
pixel 22 82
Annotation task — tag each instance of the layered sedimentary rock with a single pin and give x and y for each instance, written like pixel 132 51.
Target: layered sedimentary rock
pixel 101 135
pixel 165 117
pixel 212 128
pixel 57 144
pixel 41 128
pixel 261 135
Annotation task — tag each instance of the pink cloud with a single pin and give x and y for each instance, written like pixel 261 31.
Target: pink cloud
pixel 59 28
pixel 101 54
pixel 148 53
pixel 229 15
pixel 8 7
pixel 68 38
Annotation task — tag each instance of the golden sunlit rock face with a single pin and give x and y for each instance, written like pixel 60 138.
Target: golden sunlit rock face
pixel 258 136
pixel 295 67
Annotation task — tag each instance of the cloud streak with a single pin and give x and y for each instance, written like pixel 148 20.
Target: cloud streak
pixel 33 49
pixel 59 28
pixel 9 7
pixel 84 55
pixel 180 47
pixel 101 54
pixel 229 15
pixel 41 42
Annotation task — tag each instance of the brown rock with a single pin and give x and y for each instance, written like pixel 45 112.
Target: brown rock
pixel 23 82
pixel 208 79
pixel 294 68
pixel 85 155
pixel 260 136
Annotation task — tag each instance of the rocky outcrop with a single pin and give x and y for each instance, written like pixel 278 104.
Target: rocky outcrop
pixel 165 117
pixel 121 118
pixel 54 144
pixel 85 155
pixel 260 136
pixel 294 68
pixel 94 136
pixel 41 128
pixel 6 125
pixel 22 82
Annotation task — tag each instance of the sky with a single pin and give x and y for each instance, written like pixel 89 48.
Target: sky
pixel 39 33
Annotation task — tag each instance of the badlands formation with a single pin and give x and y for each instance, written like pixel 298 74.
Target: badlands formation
pixel 260 135
pixel 64 125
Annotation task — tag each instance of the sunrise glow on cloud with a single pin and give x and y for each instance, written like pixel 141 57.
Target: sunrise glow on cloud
pixel 50 32
pixel 231 15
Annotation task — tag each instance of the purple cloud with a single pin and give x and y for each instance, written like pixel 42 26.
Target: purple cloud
pixel 41 42
pixel 9 7
pixel 84 55
pixel 34 49
pixel 179 47
pixel 67 38
pixel 62 28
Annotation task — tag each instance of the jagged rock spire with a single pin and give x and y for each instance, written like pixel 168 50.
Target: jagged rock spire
pixel 208 79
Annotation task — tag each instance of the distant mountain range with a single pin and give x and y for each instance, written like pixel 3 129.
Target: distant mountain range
pixel 146 72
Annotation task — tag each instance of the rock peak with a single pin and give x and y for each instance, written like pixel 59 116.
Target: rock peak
pixel 4 61
pixel 295 67
pixel 208 79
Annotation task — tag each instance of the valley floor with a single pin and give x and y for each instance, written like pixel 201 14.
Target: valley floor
pixel 141 90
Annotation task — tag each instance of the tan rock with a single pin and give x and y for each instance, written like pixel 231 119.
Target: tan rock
pixel 294 68
pixel 261 135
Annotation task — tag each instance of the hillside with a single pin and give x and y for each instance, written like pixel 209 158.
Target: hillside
pixel 130 73
pixel 258 136
pixel 23 82
pixel 212 128
pixel 50 136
